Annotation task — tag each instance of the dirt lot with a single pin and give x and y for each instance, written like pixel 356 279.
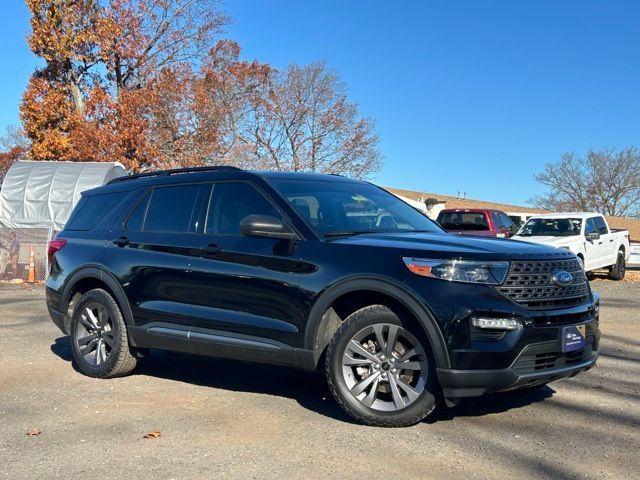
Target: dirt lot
pixel 224 419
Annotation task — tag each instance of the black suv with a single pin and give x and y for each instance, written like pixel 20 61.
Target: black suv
pixel 315 272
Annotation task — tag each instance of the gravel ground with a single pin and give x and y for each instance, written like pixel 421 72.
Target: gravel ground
pixel 218 418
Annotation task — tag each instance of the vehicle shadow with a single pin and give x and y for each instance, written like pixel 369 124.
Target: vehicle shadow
pixel 309 389
pixel 491 403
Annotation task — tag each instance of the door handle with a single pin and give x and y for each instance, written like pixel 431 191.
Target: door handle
pixel 122 242
pixel 210 250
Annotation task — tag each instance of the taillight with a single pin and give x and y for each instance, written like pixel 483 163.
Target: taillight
pixel 54 245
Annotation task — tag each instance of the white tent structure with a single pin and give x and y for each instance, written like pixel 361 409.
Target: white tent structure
pixel 37 194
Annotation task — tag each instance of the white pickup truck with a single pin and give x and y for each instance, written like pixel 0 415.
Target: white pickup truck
pixel 586 234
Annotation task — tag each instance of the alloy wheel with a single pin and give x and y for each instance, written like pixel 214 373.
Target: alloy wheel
pixel 95 336
pixel 385 367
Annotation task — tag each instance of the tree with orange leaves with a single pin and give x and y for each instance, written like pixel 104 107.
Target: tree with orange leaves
pixel 102 65
pixel 143 82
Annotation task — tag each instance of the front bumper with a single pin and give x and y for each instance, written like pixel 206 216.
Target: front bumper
pixel 537 364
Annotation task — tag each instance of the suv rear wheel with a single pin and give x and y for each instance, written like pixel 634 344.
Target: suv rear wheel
pixel 99 337
pixel 380 369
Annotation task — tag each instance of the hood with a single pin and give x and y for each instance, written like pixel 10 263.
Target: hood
pixel 546 240
pixel 447 245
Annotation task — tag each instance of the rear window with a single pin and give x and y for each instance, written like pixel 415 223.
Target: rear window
pixel 463 221
pixel 91 209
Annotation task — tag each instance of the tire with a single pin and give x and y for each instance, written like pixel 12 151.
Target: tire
pixel 99 337
pixel 588 275
pixel 619 268
pixel 368 383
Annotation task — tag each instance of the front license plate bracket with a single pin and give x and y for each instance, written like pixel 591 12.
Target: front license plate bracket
pixel 573 338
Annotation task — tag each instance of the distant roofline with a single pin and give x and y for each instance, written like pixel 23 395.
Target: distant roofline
pixel 631 224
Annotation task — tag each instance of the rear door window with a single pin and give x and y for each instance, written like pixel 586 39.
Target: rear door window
pixel 91 209
pixel 171 208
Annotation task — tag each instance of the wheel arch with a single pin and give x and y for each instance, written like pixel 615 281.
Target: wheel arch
pixel 94 276
pixel 323 320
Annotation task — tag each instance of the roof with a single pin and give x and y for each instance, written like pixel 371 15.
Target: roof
pixel 581 215
pixel 277 175
pixel 209 173
pixel 631 224
pixel 39 194
pixel 472 210
pixel 454 202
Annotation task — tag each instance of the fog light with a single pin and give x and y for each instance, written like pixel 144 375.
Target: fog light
pixel 496 323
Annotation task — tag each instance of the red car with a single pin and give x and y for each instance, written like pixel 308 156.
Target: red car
pixel 483 222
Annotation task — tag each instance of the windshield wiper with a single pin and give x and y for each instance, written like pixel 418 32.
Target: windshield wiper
pixel 348 233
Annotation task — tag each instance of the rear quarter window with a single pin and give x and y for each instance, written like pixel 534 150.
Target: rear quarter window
pixel 91 209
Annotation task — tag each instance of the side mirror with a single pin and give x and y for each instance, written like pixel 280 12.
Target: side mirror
pixel 592 236
pixel 265 226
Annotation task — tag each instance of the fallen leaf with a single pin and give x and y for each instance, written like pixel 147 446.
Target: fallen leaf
pixel 34 432
pixel 154 434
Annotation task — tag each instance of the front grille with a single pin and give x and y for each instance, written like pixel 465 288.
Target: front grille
pixel 538 357
pixel 566 319
pixel 529 284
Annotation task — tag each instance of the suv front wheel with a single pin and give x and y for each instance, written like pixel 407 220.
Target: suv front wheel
pixel 99 337
pixel 380 369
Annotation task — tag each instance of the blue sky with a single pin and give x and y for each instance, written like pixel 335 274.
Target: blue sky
pixel 467 95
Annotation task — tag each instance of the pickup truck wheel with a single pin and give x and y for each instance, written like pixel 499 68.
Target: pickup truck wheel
pixel 380 369
pixel 619 268
pixel 99 337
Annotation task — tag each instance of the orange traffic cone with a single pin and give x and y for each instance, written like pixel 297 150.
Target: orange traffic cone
pixel 32 267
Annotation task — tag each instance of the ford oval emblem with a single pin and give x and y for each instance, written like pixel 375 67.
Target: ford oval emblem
pixel 562 278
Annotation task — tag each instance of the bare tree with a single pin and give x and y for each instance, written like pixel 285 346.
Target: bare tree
pixel 13 146
pixel 604 181
pixel 308 124
pixel 149 35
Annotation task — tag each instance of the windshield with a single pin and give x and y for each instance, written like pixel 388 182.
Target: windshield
pixel 551 227
pixel 349 208
pixel 473 221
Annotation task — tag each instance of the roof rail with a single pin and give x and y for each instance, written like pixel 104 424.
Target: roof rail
pixel 166 173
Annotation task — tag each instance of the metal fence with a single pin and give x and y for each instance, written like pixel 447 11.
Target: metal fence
pixel 18 248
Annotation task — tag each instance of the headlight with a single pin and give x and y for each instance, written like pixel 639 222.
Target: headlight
pixel 469 271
